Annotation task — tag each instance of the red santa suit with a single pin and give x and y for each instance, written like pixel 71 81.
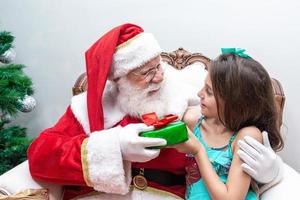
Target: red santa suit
pixel 86 156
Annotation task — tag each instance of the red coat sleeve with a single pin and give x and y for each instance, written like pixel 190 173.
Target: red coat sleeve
pixel 55 155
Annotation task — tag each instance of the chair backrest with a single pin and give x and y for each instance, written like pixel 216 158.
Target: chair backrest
pixel 180 59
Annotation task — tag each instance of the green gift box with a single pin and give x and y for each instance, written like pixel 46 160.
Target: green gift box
pixel 173 133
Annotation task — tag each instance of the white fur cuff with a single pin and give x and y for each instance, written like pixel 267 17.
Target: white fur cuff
pixel 106 170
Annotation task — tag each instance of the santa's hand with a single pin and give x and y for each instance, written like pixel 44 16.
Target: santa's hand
pixel 133 146
pixel 261 162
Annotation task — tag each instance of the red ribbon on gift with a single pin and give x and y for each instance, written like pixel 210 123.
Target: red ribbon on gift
pixel 151 119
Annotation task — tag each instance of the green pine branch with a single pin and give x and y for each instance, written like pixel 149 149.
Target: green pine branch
pixel 14 85
pixel 13 147
pixel 6 40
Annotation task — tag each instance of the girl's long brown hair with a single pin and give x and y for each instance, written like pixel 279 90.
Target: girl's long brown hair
pixel 245 88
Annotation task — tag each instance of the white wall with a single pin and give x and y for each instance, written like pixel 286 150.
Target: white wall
pixel 52 36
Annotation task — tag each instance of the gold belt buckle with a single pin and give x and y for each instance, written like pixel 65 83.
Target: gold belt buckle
pixel 139 181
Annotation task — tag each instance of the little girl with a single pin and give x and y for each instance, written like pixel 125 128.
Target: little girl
pixel 236 100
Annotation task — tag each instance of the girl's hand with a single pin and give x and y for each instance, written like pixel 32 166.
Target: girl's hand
pixel 192 145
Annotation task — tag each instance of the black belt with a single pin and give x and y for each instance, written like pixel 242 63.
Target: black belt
pixel 161 177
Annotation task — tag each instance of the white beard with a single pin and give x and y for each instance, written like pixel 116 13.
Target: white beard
pixel 136 101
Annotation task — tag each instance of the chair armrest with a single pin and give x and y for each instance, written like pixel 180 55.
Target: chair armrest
pixel 19 179
pixel 287 188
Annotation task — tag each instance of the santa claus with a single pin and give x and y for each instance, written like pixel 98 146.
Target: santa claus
pixel 95 148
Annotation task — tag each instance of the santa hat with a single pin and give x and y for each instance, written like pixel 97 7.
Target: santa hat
pixel 119 51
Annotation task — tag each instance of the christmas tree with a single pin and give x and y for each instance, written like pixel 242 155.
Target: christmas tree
pixel 15 91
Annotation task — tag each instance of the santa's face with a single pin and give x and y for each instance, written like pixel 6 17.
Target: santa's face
pixel 147 75
pixel 137 97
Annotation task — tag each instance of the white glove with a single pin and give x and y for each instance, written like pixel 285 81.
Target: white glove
pixel 261 162
pixel 133 146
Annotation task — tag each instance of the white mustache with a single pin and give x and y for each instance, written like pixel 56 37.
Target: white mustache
pixel 151 87
pixel 136 101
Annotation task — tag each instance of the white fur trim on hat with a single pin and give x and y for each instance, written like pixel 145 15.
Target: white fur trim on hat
pixel 112 112
pixel 107 172
pixel 79 109
pixel 133 54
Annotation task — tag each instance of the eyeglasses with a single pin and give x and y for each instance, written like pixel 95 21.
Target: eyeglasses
pixel 148 75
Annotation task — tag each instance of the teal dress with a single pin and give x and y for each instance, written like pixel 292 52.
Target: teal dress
pixel 221 161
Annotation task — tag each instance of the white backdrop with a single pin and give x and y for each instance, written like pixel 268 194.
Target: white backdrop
pixel 52 36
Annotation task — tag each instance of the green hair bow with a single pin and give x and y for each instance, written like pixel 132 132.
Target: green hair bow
pixel 237 51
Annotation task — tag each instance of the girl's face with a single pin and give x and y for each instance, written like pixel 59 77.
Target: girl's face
pixel 208 102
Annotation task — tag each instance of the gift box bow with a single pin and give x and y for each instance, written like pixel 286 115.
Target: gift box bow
pixel 151 119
